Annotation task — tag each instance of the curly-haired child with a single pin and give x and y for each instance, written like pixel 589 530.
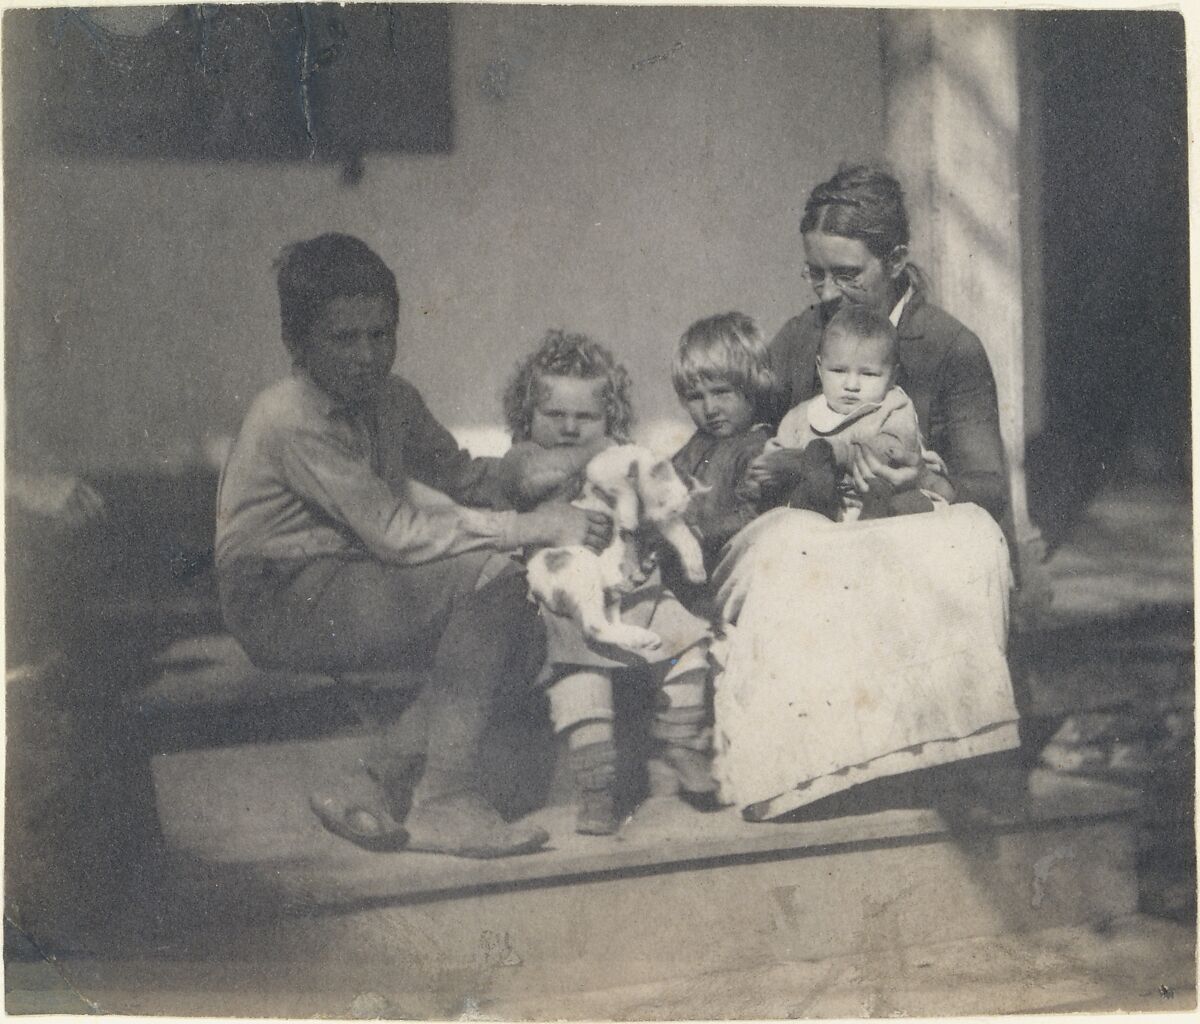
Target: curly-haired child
pixel 566 401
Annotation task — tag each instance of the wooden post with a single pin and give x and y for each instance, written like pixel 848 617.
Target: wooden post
pixel 953 124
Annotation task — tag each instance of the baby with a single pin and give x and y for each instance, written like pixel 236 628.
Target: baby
pixel 722 374
pixel 568 401
pixel 860 405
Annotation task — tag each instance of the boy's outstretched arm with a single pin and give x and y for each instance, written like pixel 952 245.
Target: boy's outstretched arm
pixel 415 524
pixel 430 452
pixel 530 474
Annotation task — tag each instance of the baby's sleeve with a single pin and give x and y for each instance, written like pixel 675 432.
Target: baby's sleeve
pixel 898 440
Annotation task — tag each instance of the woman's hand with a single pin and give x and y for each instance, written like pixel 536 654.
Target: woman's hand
pixel 562 525
pixel 872 476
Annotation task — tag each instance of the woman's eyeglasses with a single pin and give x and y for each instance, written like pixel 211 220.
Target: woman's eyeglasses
pixel 846 280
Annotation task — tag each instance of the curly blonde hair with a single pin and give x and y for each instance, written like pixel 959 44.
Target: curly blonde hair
pixel 562 354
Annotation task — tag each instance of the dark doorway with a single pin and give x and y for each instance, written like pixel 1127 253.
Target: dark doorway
pixel 1113 115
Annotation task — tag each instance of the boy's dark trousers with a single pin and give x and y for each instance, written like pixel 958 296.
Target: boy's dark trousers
pixel 336 616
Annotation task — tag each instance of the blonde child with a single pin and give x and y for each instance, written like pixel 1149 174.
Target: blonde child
pixel 722 374
pixel 568 400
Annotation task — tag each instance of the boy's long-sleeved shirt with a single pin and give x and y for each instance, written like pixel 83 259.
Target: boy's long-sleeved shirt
pixel 307 477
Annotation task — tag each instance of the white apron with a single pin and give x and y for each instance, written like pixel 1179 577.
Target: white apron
pixel 860 650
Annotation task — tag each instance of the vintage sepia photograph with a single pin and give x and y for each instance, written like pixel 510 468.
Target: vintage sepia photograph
pixel 530 512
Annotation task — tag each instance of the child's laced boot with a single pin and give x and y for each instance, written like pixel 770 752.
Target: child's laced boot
pixel 685 747
pixel 595 769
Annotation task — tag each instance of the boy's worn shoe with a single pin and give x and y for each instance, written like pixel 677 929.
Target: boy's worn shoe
pixel 370 828
pixel 466 825
pixel 595 769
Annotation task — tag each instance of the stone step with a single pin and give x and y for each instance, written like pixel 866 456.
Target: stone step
pixel 1133 964
pixel 254 878
pixel 593 911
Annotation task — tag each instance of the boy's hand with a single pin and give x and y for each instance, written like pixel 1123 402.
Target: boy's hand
pixel 561 525
pixel 530 474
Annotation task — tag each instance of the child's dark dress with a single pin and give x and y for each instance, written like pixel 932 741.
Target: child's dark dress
pixel 718 463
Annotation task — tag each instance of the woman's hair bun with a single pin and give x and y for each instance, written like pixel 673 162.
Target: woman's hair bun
pixel 860 201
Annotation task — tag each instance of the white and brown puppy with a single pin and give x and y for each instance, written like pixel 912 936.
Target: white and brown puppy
pixel 635 487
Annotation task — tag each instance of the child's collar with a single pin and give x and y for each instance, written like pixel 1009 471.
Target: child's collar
pixel 824 419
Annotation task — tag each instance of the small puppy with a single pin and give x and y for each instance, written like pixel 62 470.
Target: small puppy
pixel 635 487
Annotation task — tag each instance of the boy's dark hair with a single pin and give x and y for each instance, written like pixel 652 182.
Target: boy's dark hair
pixel 861 322
pixel 311 274
pixel 562 354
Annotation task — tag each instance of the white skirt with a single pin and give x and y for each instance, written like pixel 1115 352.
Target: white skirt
pixel 859 650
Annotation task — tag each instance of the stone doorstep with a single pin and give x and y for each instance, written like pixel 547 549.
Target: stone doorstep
pixel 628 927
pixel 665 836
pixel 247 807
pixel 1066 856
pixel 1134 963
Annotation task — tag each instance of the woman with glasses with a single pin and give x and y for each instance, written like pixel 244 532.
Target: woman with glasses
pixel 855 234
pixel 859 651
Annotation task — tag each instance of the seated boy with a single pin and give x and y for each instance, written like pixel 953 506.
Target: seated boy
pixel 342 547
pixel 860 405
